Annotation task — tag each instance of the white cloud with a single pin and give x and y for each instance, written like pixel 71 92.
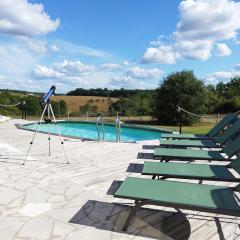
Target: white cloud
pixel 22 18
pixel 141 73
pixel 114 66
pixel 216 77
pixel 53 48
pixel 39 46
pixel 223 50
pixel 76 49
pixel 16 60
pixel 72 70
pixel 136 78
pixel 71 75
pixel 208 19
pixel 111 66
pixel 125 81
pixel 8 82
pixel 198 49
pixel 202 24
pixel 45 72
pixel 73 67
pixel 163 54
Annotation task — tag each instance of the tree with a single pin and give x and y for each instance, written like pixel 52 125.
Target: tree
pixel 63 107
pixel 33 105
pixel 88 107
pixel 228 96
pixel 213 100
pixel 182 89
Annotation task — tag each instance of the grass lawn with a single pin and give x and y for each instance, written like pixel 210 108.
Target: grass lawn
pixel 199 128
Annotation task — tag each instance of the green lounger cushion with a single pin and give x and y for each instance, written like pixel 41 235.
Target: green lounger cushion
pixel 171 193
pixel 189 154
pixel 228 119
pixel 231 132
pixel 192 171
pixel 185 136
pixel 189 143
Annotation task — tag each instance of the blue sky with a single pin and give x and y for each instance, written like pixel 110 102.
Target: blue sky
pixel 114 44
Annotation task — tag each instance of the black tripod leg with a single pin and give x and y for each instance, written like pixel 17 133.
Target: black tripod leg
pixel 59 134
pixel 31 143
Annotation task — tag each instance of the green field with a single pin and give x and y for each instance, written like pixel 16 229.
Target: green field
pixel 199 128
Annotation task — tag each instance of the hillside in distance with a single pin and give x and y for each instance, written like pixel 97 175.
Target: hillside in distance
pixel 74 102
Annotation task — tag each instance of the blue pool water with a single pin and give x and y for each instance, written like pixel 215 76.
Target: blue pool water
pixel 89 131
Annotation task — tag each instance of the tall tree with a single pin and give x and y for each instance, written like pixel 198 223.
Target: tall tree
pixel 182 89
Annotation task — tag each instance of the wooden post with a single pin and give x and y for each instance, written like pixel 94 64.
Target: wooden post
pixel 179 110
pixel 22 109
pixel 25 111
pixel 59 115
pixel 180 122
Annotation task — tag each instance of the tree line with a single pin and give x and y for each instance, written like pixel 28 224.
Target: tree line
pixel 182 89
pixel 104 92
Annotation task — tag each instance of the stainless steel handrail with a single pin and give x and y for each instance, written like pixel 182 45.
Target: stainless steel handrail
pixel 118 129
pixel 100 120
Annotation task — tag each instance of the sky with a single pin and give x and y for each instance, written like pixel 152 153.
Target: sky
pixel 116 44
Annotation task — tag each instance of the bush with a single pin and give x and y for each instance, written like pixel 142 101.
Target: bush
pixel 183 89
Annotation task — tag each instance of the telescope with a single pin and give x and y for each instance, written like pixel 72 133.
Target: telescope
pixel 47 110
pixel 47 96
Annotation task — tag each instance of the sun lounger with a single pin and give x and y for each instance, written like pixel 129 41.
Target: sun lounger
pixel 218 128
pixel 218 142
pixel 196 197
pixel 193 171
pixel 188 154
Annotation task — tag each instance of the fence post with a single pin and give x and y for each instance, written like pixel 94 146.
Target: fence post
pixel 22 109
pixel 180 119
pixel 180 125
pixel 25 111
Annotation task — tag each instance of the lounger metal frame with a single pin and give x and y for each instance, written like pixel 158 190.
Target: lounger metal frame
pixel 141 202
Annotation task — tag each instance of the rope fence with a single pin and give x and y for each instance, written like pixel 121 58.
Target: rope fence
pixel 190 113
pixel 237 112
pixel 24 108
pixel 10 105
pixel 182 110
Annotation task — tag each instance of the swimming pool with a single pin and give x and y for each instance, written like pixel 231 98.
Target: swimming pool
pixel 88 130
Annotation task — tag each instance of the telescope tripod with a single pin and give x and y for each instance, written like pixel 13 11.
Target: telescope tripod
pixel 49 110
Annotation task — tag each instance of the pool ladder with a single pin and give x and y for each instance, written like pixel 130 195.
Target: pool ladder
pixel 118 129
pixel 98 123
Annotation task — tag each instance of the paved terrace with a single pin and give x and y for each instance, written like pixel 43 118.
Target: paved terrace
pixel 47 199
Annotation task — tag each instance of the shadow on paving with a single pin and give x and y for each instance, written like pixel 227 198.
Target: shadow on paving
pixel 114 187
pixel 149 223
pixel 143 155
pixel 150 147
pixel 135 168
